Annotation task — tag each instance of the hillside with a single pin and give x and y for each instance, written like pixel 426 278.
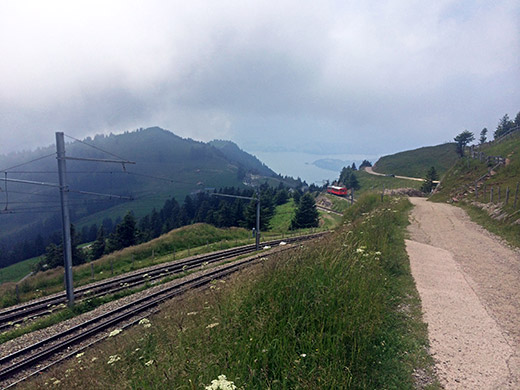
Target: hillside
pixel 482 188
pixel 233 152
pixel 166 166
pixel 415 163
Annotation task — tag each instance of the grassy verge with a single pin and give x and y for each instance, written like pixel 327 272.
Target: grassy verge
pixel 341 313
pixel 502 228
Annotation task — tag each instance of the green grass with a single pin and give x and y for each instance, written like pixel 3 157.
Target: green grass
pixel 15 272
pixel 371 183
pixel 338 204
pixel 329 221
pixel 282 217
pixel 415 163
pixel 185 241
pixel 340 313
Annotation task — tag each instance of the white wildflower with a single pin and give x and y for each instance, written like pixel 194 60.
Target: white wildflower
pixel 115 332
pixel 56 382
pixel 212 325
pixel 93 359
pixel 282 243
pixel 303 355
pixel 113 358
pixel 148 363
pixel 191 313
pixel 80 354
pixel 145 322
pixel 360 250
pixel 267 247
pixel 221 384
pixel 377 253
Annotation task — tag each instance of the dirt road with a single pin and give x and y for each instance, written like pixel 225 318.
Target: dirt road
pixel 469 282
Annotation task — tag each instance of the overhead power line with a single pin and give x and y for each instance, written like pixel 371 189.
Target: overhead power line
pixel 95 147
pixel 28 162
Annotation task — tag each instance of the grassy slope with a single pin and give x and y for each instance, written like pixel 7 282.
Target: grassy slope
pixel 371 183
pixel 459 183
pixel 415 163
pixel 195 237
pixel 341 313
pixel 17 271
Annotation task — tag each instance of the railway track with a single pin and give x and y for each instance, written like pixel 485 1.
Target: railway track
pixel 35 309
pixel 27 361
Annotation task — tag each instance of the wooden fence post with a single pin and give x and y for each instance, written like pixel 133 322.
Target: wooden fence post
pixel 476 191
pixel 498 194
pixel 491 195
pixel 516 194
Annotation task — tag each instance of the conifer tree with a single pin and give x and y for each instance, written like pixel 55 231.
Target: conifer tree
pixel 306 215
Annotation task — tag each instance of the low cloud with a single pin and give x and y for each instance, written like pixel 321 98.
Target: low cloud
pixel 337 76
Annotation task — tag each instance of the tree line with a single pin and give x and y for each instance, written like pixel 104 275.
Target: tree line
pixel 218 208
pixel 504 126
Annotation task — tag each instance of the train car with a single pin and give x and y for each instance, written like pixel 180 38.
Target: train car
pixel 337 190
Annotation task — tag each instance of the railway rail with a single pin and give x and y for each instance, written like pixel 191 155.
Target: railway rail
pixel 37 308
pixel 29 360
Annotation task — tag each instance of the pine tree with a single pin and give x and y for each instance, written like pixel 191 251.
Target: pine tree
pixel 483 136
pixel 98 247
pixel 126 232
pixel 428 184
pixel 306 215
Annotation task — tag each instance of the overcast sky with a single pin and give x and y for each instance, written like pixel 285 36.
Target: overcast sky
pixel 372 77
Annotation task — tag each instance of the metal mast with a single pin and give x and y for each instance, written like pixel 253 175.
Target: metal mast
pixel 65 216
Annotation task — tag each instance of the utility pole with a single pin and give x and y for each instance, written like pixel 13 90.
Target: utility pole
pixel 257 221
pixel 65 216
pixel 64 196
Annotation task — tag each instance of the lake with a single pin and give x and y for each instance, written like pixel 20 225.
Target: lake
pixel 298 164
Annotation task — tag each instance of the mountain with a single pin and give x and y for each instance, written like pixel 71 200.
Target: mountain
pixel 415 163
pixel 232 151
pixel 166 166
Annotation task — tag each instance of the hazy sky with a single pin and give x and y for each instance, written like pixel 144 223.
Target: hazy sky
pixel 370 77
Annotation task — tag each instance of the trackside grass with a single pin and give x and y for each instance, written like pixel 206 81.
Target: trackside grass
pixel 339 313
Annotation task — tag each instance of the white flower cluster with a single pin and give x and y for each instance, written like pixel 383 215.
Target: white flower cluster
pixel 115 332
pixel 113 358
pixel 221 383
pixel 145 322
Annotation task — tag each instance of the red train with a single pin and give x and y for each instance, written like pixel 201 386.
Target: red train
pixel 336 190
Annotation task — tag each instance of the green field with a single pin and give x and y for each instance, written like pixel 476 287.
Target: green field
pixel 415 163
pixel 339 313
pixel 17 271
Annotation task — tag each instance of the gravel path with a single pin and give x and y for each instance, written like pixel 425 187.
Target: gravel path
pixel 469 282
